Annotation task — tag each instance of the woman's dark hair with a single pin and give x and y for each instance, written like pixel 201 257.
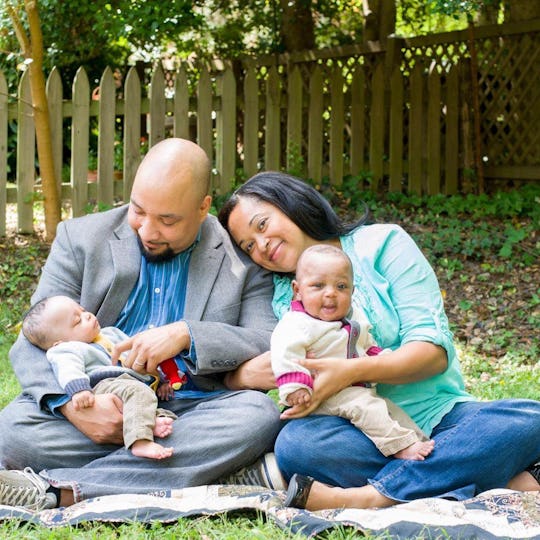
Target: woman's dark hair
pixel 299 201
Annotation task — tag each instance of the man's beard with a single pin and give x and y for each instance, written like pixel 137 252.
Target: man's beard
pixel 166 255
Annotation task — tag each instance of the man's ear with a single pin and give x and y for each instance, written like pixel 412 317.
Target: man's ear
pixel 205 207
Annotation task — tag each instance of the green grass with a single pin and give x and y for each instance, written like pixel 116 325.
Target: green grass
pixel 485 239
pixel 206 528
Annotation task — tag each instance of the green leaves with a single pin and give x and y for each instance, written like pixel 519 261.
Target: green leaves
pixel 20 267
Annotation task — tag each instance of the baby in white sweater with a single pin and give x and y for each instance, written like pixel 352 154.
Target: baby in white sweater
pixel 321 324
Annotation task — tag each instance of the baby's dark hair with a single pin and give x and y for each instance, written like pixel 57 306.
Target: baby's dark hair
pixel 33 328
pixel 324 249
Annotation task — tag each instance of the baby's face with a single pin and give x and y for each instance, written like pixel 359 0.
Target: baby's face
pixel 69 321
pixel 324 286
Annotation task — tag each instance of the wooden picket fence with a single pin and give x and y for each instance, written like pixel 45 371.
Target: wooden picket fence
pixel 398 118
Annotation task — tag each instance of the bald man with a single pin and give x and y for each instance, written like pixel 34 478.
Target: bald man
pixel 164 271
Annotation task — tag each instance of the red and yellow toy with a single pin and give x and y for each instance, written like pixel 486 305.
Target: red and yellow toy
pixel 175 377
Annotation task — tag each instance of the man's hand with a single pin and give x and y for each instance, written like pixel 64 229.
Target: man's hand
pixel 254 374
pixel 149 348
pixel 101 423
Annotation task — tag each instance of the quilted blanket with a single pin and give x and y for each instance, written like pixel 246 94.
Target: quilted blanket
pixel 495 514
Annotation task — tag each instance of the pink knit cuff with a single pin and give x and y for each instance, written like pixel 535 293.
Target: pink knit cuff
pixel 298 377
pixel 374 351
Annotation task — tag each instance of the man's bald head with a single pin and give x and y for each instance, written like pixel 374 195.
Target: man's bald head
pixel 176 164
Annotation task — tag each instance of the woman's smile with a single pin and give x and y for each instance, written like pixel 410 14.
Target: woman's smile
pixel 275 251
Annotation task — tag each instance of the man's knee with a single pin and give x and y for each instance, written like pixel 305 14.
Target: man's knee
pixel 260 416
pixel 15 442
pixel 264 411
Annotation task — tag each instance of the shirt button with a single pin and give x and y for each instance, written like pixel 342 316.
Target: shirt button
pixel 157 290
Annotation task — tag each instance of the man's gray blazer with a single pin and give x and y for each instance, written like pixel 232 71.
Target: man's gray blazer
pixel 95 260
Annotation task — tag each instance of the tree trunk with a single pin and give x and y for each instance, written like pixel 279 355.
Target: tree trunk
pixel 522 10
pixel 32 49
pixel 297 31
pixel 488 13
pixel 380 19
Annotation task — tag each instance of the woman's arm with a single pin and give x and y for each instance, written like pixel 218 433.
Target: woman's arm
pixel 255 374
pixel 413 361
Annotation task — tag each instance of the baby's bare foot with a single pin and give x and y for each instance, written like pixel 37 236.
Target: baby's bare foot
pixel 163 427
pixel 150 449
pixel 418 451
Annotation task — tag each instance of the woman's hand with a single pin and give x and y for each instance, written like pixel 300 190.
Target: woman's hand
pixel 102 423
pixel 330 375
pixel 254 374
pixel 412 362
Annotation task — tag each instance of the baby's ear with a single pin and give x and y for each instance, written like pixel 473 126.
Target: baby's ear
pixel 296 293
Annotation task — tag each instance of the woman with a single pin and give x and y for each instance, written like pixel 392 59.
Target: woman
pixel 478 445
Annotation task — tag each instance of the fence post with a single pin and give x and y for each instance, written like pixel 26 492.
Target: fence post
pixel 315 125
pixel 452 132
pixel 55 96
pixel 396 130
pixel 376 126
pixel 3 151
pixel 79 142
pixel 336 125
pixel 251 122
pixel 358 120
pixel 181 104
pixel 416 130
pixel 433 135
pixel 467 184
pixel 105 177
pixel 294 120
pixel 157 108
pixel 226 130
pixel 26 156
pixel 132 129
pixel 204 112
pixel 273 121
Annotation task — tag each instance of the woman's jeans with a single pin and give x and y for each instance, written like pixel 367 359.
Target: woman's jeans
pixel 478 446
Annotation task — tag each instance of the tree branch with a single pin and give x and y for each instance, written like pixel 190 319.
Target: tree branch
pixel 21 34
pixel 36 35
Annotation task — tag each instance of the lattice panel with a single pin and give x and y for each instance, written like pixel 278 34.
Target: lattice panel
pixel 442 56
pixel 508 73
pixel 510 94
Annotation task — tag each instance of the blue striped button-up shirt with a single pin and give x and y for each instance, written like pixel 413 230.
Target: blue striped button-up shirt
pixel 158 298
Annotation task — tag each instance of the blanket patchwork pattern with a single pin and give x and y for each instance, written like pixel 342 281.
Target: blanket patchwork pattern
pixel 495 514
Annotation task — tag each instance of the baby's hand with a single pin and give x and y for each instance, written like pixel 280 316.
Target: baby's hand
pixel 299 397
pixel 83 400
pixel 165 391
